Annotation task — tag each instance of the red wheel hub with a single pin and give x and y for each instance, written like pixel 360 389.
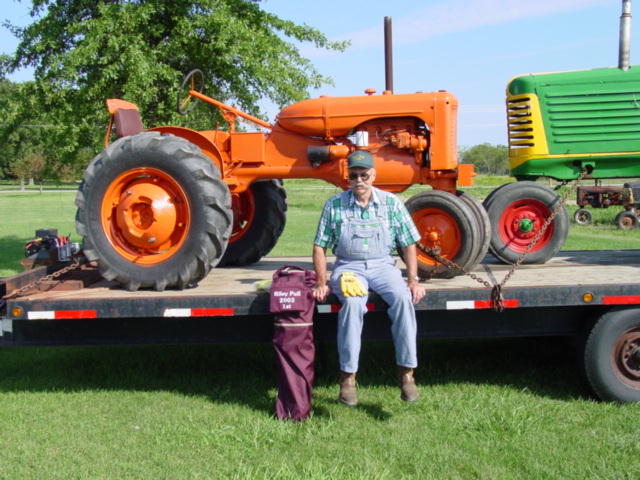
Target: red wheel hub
pixel 521 221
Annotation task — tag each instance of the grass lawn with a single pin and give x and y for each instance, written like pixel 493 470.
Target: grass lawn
pixel 490 409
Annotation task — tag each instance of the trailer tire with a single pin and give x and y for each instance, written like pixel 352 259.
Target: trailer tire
pixel 264 207
pixel 612 356
pixel 444 220
pixel 516 213
pixel 153 212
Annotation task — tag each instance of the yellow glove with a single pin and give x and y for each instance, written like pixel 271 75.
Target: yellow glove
pixel 351 286
pixel 263 285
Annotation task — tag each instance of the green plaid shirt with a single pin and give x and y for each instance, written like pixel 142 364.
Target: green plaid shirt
pixel 401 227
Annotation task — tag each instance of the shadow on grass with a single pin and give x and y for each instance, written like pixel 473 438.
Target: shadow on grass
pixel 246 374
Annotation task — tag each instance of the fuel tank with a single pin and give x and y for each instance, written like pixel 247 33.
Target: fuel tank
pixel 331 117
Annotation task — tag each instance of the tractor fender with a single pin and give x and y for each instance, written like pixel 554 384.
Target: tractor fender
pixel 208 147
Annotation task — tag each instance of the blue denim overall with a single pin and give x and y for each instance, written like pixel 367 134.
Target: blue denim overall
pixel 364 248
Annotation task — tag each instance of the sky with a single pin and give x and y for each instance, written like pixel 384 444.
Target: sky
pixel 471 48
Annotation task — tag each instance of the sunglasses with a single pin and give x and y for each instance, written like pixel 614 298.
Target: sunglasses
pixel 354 176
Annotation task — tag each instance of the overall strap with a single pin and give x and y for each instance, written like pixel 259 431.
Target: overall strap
pixel 383 211
pixel 344 205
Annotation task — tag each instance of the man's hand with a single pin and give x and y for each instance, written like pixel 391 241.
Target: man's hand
pixel 417 291
pixel 411 261
pixel 320 292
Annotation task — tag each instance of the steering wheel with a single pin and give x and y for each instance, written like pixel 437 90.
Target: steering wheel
pixel 194 80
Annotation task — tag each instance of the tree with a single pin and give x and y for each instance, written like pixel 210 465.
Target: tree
pixel 85 51
pixel 31 166
pixel 16 140
pixel 488 159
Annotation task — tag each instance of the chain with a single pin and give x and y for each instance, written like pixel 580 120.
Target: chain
pixel 545 225
pixel 496 289
pixel 52 276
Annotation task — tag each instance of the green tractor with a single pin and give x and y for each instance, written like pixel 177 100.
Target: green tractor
pixel 561 124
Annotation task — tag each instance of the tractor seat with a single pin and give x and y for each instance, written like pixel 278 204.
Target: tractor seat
pixel 126 117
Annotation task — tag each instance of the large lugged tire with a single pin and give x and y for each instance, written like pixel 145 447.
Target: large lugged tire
pixel 444 221
pixel 259 219
pixel 612 356
pixel 153 212
pixel 517 211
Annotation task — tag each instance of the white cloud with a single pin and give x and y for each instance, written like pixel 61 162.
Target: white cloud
pixel 460 15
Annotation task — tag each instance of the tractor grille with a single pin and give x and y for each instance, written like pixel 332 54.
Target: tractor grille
pixel 520 122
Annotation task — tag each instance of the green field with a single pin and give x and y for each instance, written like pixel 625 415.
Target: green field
pixel 22 212
pixel 490 409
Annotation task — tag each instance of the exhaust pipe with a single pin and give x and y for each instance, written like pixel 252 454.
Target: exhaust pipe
pixel 625 36
pixel 388 55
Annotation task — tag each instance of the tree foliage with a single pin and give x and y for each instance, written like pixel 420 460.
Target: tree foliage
pixel 488 159
pixel 84 51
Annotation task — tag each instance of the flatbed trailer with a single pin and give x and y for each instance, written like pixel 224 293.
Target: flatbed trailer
pixel 593 296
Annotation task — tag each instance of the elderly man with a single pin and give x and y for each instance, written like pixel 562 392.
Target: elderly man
pixel 363 225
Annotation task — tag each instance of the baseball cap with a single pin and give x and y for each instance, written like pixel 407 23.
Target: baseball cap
pixel 360 158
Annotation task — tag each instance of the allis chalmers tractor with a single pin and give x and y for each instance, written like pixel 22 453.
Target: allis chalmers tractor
pixel 160 207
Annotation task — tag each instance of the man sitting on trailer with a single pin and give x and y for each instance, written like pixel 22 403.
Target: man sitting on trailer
pixel 362 225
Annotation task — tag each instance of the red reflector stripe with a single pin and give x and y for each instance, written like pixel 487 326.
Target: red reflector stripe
pixel 508 303
pixel 212 312
pixel 335 307
pixel 64 314
pixel 621 300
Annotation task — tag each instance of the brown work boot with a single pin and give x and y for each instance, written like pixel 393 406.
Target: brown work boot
pixel 348 393
pixel 408 390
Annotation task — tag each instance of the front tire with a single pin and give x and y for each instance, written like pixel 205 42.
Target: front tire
pixel 582 216
pixel 626 220
pixel 484 225
pixel 153 212
pixel 612 356
pixel 447 222
pixel 517 212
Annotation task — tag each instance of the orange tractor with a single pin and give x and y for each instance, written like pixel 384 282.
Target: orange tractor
pixel 160 207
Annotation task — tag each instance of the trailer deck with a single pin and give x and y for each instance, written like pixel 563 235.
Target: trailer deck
pixel 225 306
pixel 569 270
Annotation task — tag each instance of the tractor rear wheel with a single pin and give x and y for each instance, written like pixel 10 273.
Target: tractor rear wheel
pixel 447 222
pixel 259 217
pixel 517 212
pixel 153 212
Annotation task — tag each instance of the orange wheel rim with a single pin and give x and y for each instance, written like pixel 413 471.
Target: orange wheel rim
pixel 244 211
pixel 437 229
pixel 145 215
